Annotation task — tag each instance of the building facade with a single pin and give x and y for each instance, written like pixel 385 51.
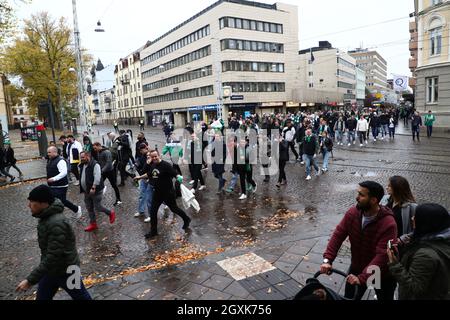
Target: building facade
pixel 4 114
pixel 414 50
pixel 20 114
pixel 375 67
pixel 327 76
pixel 433 68
pixel 360 87
pixel 248 46
pixel 128 87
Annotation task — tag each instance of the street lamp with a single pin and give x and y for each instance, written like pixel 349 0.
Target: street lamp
pixel 99 27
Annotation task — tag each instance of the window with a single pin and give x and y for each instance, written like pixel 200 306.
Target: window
pixel 266 27
pixel 231 23
pixel 222 23
pixel 240 45
pixel 260 26
pixel 273 28
pixel 246 24
pixel 253 25
pixel 435 2
pixel 238 23
pixel 436 41
pixel 310 73
pixel 247 46
pixel 432 90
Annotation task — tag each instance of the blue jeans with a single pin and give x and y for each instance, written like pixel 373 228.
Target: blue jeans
pixel 339 136
pixel 384 130
pixel 145 198
pixel 392 132
pixel 351 136
pixel 221 180
pixel 49 285
pixel 326 158
pixel 374 132
pixel 233 181
pixel 310 161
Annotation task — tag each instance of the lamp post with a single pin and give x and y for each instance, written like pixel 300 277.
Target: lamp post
pixel 81 93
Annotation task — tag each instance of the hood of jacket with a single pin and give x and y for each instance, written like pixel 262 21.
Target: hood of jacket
pixel 440 242
pixel 57 207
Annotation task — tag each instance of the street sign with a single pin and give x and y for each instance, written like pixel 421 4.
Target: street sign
pixel 234 98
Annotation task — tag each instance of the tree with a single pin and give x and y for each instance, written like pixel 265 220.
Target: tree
pixel 42 59
pixel 8 18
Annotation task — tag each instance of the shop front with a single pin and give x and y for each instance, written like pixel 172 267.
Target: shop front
pixel 292 107
pixel 180 117
pixel 154 118
pixel 244 110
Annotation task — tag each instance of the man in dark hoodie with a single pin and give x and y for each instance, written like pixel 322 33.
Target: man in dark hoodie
pixel 369 227
pixel 59 256
pixel 105 159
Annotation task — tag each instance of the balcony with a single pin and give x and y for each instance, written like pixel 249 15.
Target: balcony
pixel 412 26
pixel 412 63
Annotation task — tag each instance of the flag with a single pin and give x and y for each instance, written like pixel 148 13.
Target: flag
pixel 312 56
pixel 400 83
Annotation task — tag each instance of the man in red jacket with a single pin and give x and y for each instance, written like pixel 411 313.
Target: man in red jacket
pixel 369 227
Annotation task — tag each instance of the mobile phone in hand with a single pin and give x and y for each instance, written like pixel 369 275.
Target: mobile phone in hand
pixel 389 244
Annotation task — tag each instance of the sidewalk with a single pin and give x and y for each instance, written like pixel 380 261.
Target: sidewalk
pixel 277 272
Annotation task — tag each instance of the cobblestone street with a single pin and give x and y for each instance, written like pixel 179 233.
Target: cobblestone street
pixel 225 227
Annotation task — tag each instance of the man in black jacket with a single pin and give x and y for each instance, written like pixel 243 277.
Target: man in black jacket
pixel 351 125
pixel 10 159
pixel 92 186
pixel 124 152
pixel 59 256
pixel 3 165
pixel 105 160
pixel 160 174
pixel 416 123
pixel 57 179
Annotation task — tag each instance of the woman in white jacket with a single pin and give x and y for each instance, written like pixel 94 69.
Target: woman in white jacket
pixel 362 128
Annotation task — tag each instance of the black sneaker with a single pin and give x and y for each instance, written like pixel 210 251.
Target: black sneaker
pixel 12 179
pixel 187 222
pixel 151 235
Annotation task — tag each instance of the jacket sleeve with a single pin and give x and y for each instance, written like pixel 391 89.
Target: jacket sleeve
pixel 108 159
pixel 417 279
pixel 380 259
pixel 55 252
pixel 338 237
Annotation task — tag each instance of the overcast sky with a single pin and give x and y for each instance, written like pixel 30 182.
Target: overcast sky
pixel 129 24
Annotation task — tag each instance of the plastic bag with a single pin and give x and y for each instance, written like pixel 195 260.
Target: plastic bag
pixel 188 199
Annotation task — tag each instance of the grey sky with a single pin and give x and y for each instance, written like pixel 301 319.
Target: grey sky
pixel 129 24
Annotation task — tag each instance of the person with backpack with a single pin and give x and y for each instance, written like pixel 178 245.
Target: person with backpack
pixel 326 148
pixel 310 150
pixel 10 160
pixel 74 149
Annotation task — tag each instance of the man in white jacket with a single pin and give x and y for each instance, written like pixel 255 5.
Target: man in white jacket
pixel 74 149
pixel 362 128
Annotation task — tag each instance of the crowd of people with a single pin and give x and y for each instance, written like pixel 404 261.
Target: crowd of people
pixel 409 243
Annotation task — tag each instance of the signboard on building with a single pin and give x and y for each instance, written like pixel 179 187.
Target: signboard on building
pixel 291 104
pixel 234 98
pixel 271 104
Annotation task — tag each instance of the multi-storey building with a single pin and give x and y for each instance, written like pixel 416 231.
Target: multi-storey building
pixel 107 101
pixel 20 114
pixel 128 85
pixel 414 50
pixel 375 67
pixel 433 67
pixel 327 76
pixel 4 110
pixel 248 46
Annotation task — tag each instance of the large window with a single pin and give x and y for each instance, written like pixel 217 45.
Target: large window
pixel 432 89
pixel 252 66
pixel 238 87
pixel 346 74
pixel 345 85
pixel 203 32
pixel 345 63
pixel 246 24
pixel 247 45
pixel 181 95
pixel 436 41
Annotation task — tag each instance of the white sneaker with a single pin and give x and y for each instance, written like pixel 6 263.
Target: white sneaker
pixel 367 142
pixel 147 220
pixel 361 145
pixel 193 191
pixel 243 196
pixel 319 173
pixel 76 183
pixel 308 178
pixel 374 140
pixel 382 138
pixel 349 144
pixel 202 188
pixel 166 208
pixel 191 182
pixel 256 188
pixel 137 215
pixel 104 190
pixel 302 163
pixel 79 213
pixel 354 142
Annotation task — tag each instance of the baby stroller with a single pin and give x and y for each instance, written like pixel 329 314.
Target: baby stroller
pixel 314 290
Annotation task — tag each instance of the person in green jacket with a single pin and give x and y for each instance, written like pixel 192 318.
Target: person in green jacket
pixel 429 122
pixel 59 265
pixel 424 270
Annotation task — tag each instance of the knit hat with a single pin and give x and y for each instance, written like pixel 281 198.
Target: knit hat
pixel 42 194
pixel 430 218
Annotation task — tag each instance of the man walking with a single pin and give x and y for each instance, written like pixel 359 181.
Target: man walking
pixel 430 118
pixel 92 187
pixel 351 125
pixel 145 188
pixel 310 151
pixel 74 149
pixel 58 249
pixel 416 123
pixel 11 160
pixel 362 128
pixel 57 179
pixel 105 159
pixel 160 173
pixel 288 136
pixel 369 227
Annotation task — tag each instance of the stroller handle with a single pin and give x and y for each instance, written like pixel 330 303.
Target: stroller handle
pixel 357 287
pixel 332 271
